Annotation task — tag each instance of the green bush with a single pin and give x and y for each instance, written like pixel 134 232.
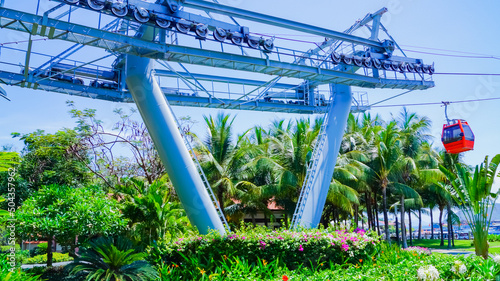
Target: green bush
pixel 56 257
pixel 39 250
pixel 54 273
pixel 493 238
pixel 6 249
pixel 285 248
pixel 388 263
pixel 8 273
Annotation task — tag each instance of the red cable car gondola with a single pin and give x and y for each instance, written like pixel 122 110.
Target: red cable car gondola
pixel 457 137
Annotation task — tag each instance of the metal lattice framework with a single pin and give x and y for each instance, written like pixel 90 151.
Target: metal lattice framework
pixel 119 37
pixel 187 42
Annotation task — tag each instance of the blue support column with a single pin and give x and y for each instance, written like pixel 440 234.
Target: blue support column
pixel 178 163
pixel 336 124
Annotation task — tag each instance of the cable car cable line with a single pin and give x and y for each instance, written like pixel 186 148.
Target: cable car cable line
pixel 434 103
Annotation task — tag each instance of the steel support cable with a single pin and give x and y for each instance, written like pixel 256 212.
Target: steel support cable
pixel 404 93
pixel 436 103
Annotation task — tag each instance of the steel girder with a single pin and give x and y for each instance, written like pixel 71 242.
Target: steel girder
pixel 113 42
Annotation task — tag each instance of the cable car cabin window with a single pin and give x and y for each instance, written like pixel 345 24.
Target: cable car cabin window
pixel 468 133
pixel 452 134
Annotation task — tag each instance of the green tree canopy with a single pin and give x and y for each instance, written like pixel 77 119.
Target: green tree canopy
pixel 50 159
pixel 63 213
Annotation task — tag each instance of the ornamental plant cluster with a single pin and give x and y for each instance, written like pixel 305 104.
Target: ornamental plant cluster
pixel 292 249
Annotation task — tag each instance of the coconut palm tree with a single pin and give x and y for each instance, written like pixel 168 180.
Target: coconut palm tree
pixel 113 260
pixel 413 129
pixel 385 165
pixel 293 145
pixel 220 159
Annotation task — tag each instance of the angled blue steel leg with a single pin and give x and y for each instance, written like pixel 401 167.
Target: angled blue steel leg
pixel 322 177
pixel 162 127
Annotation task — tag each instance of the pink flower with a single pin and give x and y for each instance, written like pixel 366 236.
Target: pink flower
pixel 300 248
pixel 345 247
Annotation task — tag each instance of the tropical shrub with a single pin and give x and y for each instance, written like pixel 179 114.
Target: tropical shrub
pixel 57 257
pixel 113 260
pixel 55 273
pixel 475 197
pixel 388 263
pixel 493 238
pixel 39 250
pixel 286 248
pixel 9 273
pixel 7 248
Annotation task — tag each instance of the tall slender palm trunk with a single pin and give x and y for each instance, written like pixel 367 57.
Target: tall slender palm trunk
pixel 403 224
pixel 376 221
pixel 448 208
pixel 368 209
pixel 441 226
pixel 386 219
pixel 397 228
pixel 410 232
pixel 419 223
pixel 432 224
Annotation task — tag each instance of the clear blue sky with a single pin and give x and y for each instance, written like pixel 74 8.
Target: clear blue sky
pixel 440 26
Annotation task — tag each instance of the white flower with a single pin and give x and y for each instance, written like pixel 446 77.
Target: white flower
pixel 462 269
pixel 428 273
pixel 458 267
pixel 496 258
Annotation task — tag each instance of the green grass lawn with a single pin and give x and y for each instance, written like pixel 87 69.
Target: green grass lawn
pixel 459 244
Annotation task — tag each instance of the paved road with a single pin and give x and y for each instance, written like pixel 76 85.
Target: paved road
pixel 452 251
pixel 43 264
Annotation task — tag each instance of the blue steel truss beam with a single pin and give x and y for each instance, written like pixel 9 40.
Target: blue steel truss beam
pixel 55 29
pixel 223 79
pixel 174 97
pixel 275 21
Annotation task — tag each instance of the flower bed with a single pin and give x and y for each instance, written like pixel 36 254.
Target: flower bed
pixel 286 248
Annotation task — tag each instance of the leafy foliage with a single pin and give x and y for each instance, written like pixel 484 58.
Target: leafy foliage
pixel 114 260
pixel 57 257
pixel 474 195
pixel 9 273
pixel 152 211
pixel 65 213
pixel 48 159
pixel 8 160
pixel 287 248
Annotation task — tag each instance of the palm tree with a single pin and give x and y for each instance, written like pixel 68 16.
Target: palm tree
pixel 428 161
pixel 153 213
pixel 412 134
pixel 113 260
pixel 293 145
pixel 220 159
pixel 473 194
pixel 385 165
